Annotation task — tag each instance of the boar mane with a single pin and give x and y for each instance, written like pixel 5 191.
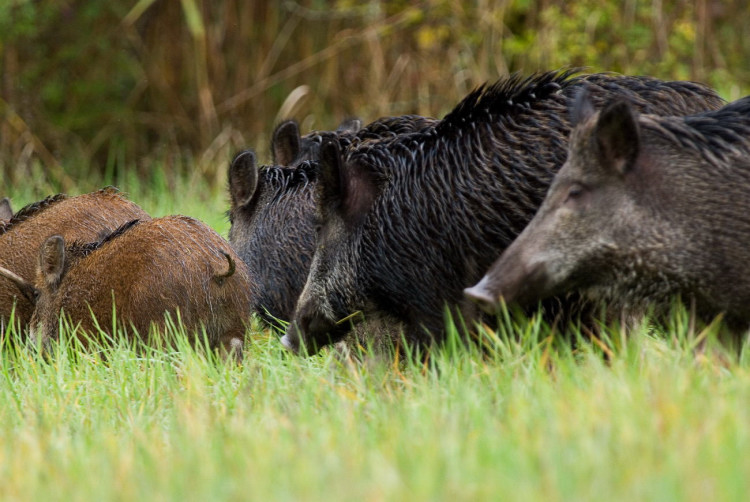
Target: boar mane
pixel 286 179
pixel 715 135
pixel 30 210
pixel 80 249
pixel 503 97
pixel 35 208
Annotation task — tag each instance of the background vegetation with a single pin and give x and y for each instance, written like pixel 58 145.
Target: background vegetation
pixel 96 86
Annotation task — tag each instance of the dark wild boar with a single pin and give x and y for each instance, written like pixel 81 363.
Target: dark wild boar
pixel 272 212
pixel 173 265
pixel 83 218
pixel 6 212
pixel 408 223
pixel 645 208
pixel 272 230
pixel 270 215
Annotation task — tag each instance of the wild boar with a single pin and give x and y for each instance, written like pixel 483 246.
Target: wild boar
pixel 83 218
pixel 408 223
pixel 270 215
pixel 645 208
pixel 146 269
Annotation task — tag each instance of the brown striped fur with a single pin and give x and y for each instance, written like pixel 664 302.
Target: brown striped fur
pixel 83 218
pixel 175 265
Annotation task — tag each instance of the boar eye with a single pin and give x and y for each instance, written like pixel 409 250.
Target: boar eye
pixel 574 192
pixel 317 223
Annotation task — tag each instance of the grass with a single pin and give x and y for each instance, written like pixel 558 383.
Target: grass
pixel 529 418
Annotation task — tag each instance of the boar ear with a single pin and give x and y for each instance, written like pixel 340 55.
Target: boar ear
pixel 243 178
pixel 27 289
pixel 617 137
pixel 52 261
pixel 583 106
pixel 6 212
pixel 350 125
pixel 330 169
pixel 344 187
pixel 285 143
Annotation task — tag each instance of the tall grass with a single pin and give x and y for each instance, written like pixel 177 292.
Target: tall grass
pixel 529 419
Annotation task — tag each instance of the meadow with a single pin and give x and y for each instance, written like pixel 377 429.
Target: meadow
pixel 638 415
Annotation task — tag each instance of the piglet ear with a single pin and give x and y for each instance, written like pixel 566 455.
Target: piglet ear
pixel 617 137
pixel 243 178
pixel 583 106
pixel 52 261
pixel 286 143
pixel 6 212
pixel 350 125
pixel 344 187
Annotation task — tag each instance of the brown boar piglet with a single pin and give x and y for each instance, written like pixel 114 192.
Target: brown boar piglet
pixel 82 218
pixel 173 266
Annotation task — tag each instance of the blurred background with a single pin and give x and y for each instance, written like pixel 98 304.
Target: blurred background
pixel 97 89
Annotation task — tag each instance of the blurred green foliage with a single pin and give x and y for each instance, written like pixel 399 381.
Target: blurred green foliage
pixel 91 87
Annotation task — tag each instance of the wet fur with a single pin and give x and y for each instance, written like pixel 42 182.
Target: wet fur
pixel 671 221
pixel 166 265
pixel 433 209
pixel 83 218
pixel 274 233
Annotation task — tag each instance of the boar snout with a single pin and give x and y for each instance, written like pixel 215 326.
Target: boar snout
pixel 481 295
pixel 510 279
pixel 290 340
pixel 311 333
pixel 297 338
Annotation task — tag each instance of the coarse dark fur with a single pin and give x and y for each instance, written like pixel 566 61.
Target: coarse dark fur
pixel 174 266
pixel 408 223
pixel 273 232
pixel 644 209
pixel 270 218
pixel 289 148
pixel 84 217
pixel 272 212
